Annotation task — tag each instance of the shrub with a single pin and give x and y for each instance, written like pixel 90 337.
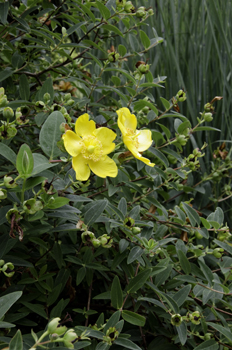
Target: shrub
pixel 108 240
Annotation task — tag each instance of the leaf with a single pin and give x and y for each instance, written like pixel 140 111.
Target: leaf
pixel 24 161
pixel 160 156
pixel 7 153
pixel 134 254
pixel 24 88
pixel 126 343
pixel 57 203
pixel 208 345
pixel 102 346
pixel 122 50
pixel 182 295
pixel 165 130
pixel 122 206
pixel 112 28
pixel 206 128
pixel 50 134
pixel 182 332
pixel 80 275
pixel 206 271
pixel 184 263
pixel 165 103
pixel 144 39
pixel 36 308
pixel 192 214
pixel 138 281
pixel 7 301
pixel 133 318
pixel 113 320
pixel 116 293
pixel 142 103
pixel 105 12
pixel 4 7
pixel 16 342
pixel 41 163
pixel 221 330
pixel 94 211
pixel 47 87
pixel 5 73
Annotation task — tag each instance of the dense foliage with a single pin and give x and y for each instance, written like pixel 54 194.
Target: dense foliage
pixel 111 237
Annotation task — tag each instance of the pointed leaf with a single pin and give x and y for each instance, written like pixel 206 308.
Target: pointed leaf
pixel 138 281
pixel 116 293
pixel 133 318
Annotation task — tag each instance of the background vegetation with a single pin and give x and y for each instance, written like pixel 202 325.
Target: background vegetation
pixel 142 260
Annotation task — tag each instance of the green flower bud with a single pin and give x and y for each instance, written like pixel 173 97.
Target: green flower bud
pixel 150 12
pixel 217 252
pixel 3 101
pixel 135 230
pixel 8 113
pixel 53 324
pixel 29 206
pixel 95 242
pixel 141 12
pixel 195 317
pixel 2 92
pixel 3 193
pixel 87 236
pixel 9 182
pixel 207 336
pixel 129 222
pixel 208 107
pixel 112 333
pixel 129 7
pixel 106 241
pixel 47 97
pixel 181 96
pixel 67 97
pixel 39 105
pixel 208 117
pixel 113 56
pixel 176 320
pixel 12 212
pixel 70 103
pixel 172 159
pixel 120 4
pixel 62 127
pixel 70 335
pixel 181 139
pixel 143 68
pixel 198 235
pixel 8 269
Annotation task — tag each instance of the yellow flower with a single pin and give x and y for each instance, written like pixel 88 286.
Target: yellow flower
pixel 136 141
pixel 89 148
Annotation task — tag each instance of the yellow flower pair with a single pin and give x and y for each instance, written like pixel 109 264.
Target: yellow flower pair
pixel 89 146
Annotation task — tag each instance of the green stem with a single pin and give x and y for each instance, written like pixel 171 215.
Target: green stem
pixel 23 190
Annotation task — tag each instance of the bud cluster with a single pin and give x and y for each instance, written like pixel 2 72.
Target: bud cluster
pixel 104 241
pixel 7 268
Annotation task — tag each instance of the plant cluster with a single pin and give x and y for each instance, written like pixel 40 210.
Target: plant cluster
pixel 110 236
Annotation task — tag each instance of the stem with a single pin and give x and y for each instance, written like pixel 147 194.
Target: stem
pixel 23 190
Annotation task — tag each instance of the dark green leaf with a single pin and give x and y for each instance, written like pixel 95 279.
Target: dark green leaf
pixel 138 281
pixel 7 301
pixel 144 39
pixel 94 211
pixel 105 12
pixel 126 343
pixel 192 214
pixel 116 293
pixel 182 332
pixel 4 7
pixel 24 88
pixel 16 342
pixel 5 73
pixel 112 28
pixel 184 263
pixel 133 318
pixel 7 153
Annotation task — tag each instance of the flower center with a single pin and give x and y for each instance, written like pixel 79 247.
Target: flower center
pixel 133 136
pixel 91 148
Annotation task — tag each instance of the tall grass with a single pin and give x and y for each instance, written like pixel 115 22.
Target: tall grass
pixel 196 55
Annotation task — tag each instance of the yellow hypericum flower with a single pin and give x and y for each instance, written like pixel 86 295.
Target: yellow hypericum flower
pixel 89 148
pixel 135 140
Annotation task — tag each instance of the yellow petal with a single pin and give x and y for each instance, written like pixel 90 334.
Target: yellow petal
pixel 106 136
pixel 104 167
pixel 81 168
pixel 144 140
pixel 84 126
pixel 136 154
pixel 126 120
pixel 72 143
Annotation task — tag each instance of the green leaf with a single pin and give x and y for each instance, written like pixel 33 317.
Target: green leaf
pixel 8 153
pixel 50 134
pixel 36 308
pixel 116 293
pixel 105 12
pixel 5 73
pixel 184 263
pixel 24 161
pixel 221 330
pixel 134 254
pixel 182 332
pixel 122 50
pixel 160 156
pixel 144 39
pixel 24 88
pixel 47 87
pixel 142 103
pixel 4 7
pixel 126 343
pixel 94 211
pixel 206 271
pixel 41 163
pixel 133 318
pixel 113 320
pixel 57 203
pixel 138 281
pixel 102 346
pixel 165 130
pixel 165 103
pixel 17 60
pixel 192 214
pixel 206 128
pixel 205 223
pixel 6 324
pixel 16 342
pixel 182 295
pixel 183 126
pixel 80 275
pixel 207 345
pixel 112 28
pixel 7 301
